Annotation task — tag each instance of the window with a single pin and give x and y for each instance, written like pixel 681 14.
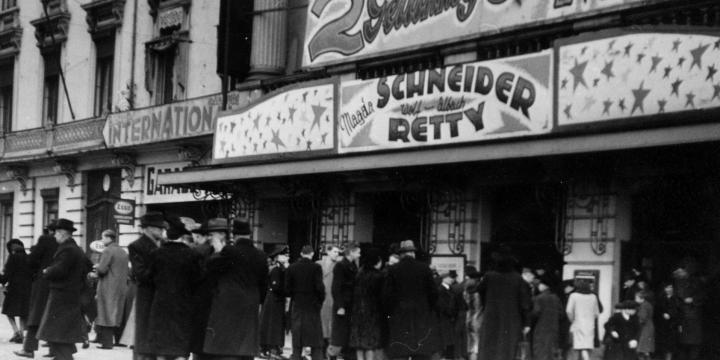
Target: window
pixel 235 25
pixel 50 205
pixel 51 88
pixel 6 96
pixel 164 80
pixel 104 75
pixel 8 4
pixel 6 221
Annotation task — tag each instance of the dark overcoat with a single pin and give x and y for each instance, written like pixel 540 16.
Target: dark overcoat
pixel 304 285
pixel 175 271
pixel 507 303
pixel 272 317
pixel 447 311
pixel 18 277
pixel 241 272
pixel 547 314
pixel 367 324
pixel 619 348
pixel 40 257
pixel 667 330
pixel 203 300
pixel 112 286
pixel 410 296
pixel 62 321
pixel 691 314
pixel 139 255
pixel 343 286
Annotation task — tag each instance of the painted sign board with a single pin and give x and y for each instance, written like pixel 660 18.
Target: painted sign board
pixel 298 121
pixel 172 121
pixel 344 30
pixel 632 74
pixel 155 193
pixel 455 263
pixel 124 211
pixel 472 102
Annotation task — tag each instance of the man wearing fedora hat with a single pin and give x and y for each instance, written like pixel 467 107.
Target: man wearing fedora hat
pixel 240 272
pixel 62 324
pixel 410 297
pixel 152 225
pixel 272 317
pixel 41 255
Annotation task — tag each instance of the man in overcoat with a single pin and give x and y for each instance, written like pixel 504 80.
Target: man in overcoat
pixel 343 287
pixel 328 262
pixel 304 286
pixel 41 255
pixel 62 324
pixel 152 225
pixel 410 295
pixel 112 271
pixel 241 273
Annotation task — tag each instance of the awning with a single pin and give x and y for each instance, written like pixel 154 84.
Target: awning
pixel 480 152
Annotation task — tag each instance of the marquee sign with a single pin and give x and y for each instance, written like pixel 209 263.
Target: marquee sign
pixel 464 103
pixel 620 75
pixel 343 30
pixel 295 122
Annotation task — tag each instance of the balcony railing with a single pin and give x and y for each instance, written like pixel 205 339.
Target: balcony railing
pixel 63 139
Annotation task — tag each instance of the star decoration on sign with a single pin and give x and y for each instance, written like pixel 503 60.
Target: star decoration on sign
pixel 640 94
pixel 661 105
pixel 611 44
pixel 607 70
pixel 716 92
pixel 564 83
pixel 640 57
pixel 628 47
pixel 621 105
pixel 317 112
pixel 676 87
pixel 567 111
pixel 717 45
pixel 292 110
pixel 276 140
pixel 681 61
pixel 577 72
pixel 676 45
pixel 690 100
pixel 256 122
pixel 667 72
pixel 711 73
pixel 697 54
pixel 655 62
pixel 606 106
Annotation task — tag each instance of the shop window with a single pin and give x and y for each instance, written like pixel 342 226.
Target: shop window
pixel 105 56
pixel 51 88
pixel 50 205
pixel 6 96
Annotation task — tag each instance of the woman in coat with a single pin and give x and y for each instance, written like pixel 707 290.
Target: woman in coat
pixel 621 333
pixel 547 313
pixel 583 308
pixel 646 340
pixel 272 316
pixel 507 303
pixel 667 322
pixel 17 278
pixel 366 324
pixel 175 271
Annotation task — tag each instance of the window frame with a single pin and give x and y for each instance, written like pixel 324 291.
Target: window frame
pixel 104 70
pixel 51 205
pixel 51 88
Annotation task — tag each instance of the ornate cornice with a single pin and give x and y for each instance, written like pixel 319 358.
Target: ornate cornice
pixel 104 16
pixel 19 173
pixel 126 162
pixel 51 31
pixel 10 33
pixel 69 169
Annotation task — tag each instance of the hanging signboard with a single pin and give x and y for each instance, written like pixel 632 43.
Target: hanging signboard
pixel 343 30
pixel 480 101
pixel 299 121
pixel 172 121
pixel 621 75
pixel 154 192
pixel 124 212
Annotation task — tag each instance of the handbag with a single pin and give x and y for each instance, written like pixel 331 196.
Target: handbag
pixel 523 349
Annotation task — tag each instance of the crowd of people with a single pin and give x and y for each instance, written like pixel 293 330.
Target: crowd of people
pixel 182 290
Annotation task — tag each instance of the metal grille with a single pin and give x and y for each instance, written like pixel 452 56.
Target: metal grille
pixel 336 221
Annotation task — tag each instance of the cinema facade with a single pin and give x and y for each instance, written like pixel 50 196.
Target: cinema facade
pixel 588 146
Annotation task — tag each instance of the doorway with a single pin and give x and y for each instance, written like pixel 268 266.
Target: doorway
pixel 396 217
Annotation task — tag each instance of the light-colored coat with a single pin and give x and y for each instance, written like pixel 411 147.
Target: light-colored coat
pixel 582 310
pixel 112 286
pixel 326 313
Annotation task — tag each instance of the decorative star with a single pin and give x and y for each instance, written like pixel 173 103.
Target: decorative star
pixel 640 94
pixel 309 145
pixel 305 96
pixel 711 73
pixel 690 99
pixel 717 45
pixel 255 145
pixel 606 106
pixel 681 61
pixel 589 102
pixel 577 72
pixel 324 138
pixel 676 45
pixel 265 144
pixel 611 44
pixel 667 72
pixel 267 121
pixel 276 140
pixel 567 111
pixel 676 87
pixel 640 56
pixel 661 105
pixel 621 105
pixel 256 122
pixel 655 62
pixel 716 92
pixel 291 111
pixel 583 50
pixel 627 49
pixel 607 70
pixel 595 82
pixel 564 83
pixel 318 112
pixel 697 54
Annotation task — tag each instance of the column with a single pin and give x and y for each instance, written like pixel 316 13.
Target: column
pixel 269 48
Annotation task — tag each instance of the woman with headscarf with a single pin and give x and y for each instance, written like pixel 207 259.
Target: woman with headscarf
pixel 17 279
